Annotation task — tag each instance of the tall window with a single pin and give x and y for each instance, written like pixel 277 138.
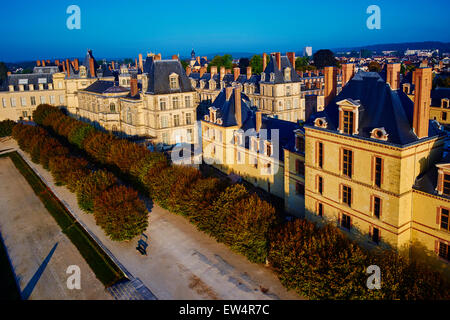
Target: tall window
pixel 300 144
pixel 376 235
pixel 378 169
pixel 4 102
pixel 23 101
pixel 175 103
pixel 164 122
pixel 347 162
pixel 188 118
pixel 444 251
pixel 347 195
pixel 187 101
pixel 348 122
pixel 269 150
pixel 162 104
pixel 376 207
pixel 320 155
pixel 13 102
pixel 299 189
pixel 320 185
pixel 176 120
pixel 112 107
pixel 346 221
pixel 444 219
pixel 174 82
pixel 447 184
pixel 299 167
pixel 33 101
pixel 320 209
pixel 444 115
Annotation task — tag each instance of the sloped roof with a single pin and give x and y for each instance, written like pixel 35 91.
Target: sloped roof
pixel 158 76
pixel 101 86
pixel 87 65
pixel 380 107
pixel 279 74
pixel 438 94
pixel 226 109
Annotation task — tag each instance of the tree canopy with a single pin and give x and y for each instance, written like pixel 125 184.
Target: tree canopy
pixel 256 62
pixel 324 58
pixel 221 61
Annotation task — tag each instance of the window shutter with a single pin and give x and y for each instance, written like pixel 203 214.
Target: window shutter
pixel 339 218
pixel 436 246
pixel 438 215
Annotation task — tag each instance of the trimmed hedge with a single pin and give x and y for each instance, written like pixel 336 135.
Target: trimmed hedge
pixel 77 174
pixel 6 127
pixel 320 263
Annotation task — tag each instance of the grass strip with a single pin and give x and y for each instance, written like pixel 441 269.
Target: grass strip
pixel 101 264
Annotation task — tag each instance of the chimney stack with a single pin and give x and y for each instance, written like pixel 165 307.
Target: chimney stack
pixel 113 65
pixel 91 67
pixel 228 92
pixel 136 63
pixel 76 64
pixel 330 84
pixel 237 106
pixel 174 57
pixel 249 72
pixel 8 73
pixel 43 63
pixel 202 71
pixel 258 120
pixel 56 62
pixel 222 73
pixel 422 101
pixel 348 71
pixel 278 59
pixel 64 66
pixel 198 60
pixel 237 72
pixel 188 70
pixel 393 75
pixel 134 86
pixel 38 63
pixel 264 61
pixel 68 67
pixel 291 57
pixel 213 71
pixel 141 64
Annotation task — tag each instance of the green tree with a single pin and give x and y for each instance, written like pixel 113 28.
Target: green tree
pixel 324 58
pixel 222 61
pixel 256 62
pixel 374 66
pixel 302 63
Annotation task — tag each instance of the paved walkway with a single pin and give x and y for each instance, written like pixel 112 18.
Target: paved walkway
pixel 39 252
pixel 182 262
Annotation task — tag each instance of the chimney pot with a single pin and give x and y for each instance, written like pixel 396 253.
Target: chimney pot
pixel 92 67
pixel 278 59
pixel 258 120
pixel 38 63
pixel 134 86
pixel 213 71
pixel 141 65
pixel 237 106
pixel 291 57
pixel 348 70
pixel 222 73
pixel 264 61
pixel 237 72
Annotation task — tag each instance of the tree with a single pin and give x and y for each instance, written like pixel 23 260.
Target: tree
pixel 324 58
pixel 374 66
pixel 302 63
pixel 256 62
pixel 120 213
pixel 221 61
pixel 243 64
pixel 92 186
pixel 3 72
pixel 6 127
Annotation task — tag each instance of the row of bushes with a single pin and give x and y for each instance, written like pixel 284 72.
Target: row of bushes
pixel 117 209
pixel 6 127
pixel 317 262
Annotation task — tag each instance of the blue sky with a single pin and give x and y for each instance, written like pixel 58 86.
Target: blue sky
pixel 37 29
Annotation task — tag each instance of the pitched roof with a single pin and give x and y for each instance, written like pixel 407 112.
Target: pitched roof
pixel 101 86
pixel 87 65
pixel 226 109
pixel 279 73
pixel 158 76
pixel 438 94
pixel 380 107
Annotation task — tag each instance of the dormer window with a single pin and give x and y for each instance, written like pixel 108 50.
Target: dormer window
pixel 263 76
pixel 321 123
pixel 299 143
pixel 212 114
pixel 173 81
pixel 443 183
pixel 83 71
pixel 268 149
pixel 348 116
pixel 272 77
pixel 212 84
pixel 238 138
pixel 379 133
pixel 445 103
pixel 287 74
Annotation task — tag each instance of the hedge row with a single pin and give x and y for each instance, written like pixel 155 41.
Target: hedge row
pixel 123 219
pixel 320 263
pixel 6 127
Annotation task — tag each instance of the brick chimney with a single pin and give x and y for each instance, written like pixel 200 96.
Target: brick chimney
pixel 202 71
pixel 258 120
pixel 38 63
pixel 330 84
pixel 291 57
pixel 236 72
pixel 113 65
pixel 92 67
pixel 278 59
pixel 141 64
pixel 76 64
pixel 56 62
pixel 422 101
pixel 68 67
pixel 174 57
pixel 228 92
pixel 188 70
pixel 264 61
pixel 228 71
pixel 198 60
pixel 348 71
pixel 43 63
pixel 222 73
pixel 249 72
pixel 237 106
pixel 393 75
pixel 213 71
pixel 64 66
pixel 157 57
pixel 135 62
pixel 134 90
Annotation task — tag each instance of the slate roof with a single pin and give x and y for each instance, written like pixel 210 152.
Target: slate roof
pixel 226 109
pixel 101 86
pixel 33 78
pixel 158 73
pixel 279 74
pixel 380 107
pixel 438 94
pixel 87 65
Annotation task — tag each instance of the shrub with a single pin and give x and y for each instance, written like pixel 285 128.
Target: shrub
pixel 61 168
pixel 92 186
pixel 79 133
pixel 120 212
pixel 6 127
